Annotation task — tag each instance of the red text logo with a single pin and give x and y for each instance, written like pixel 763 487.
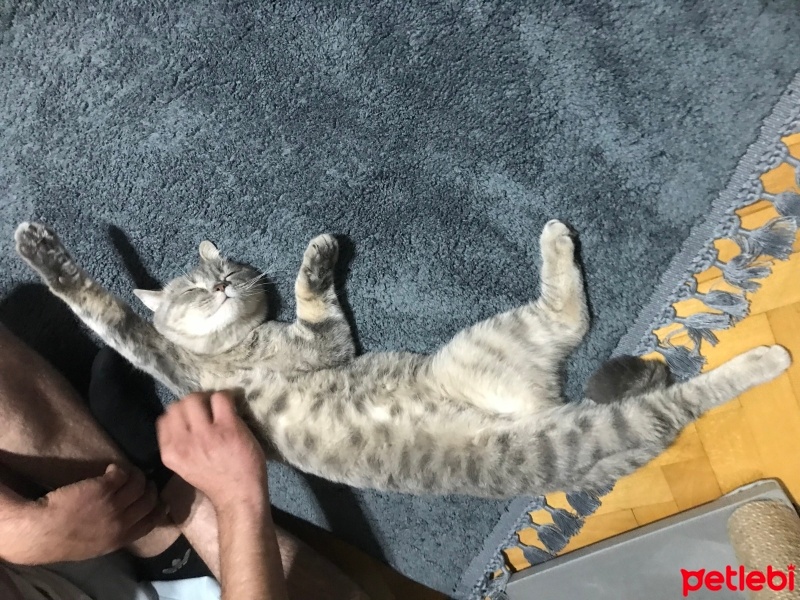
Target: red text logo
pixel 738 579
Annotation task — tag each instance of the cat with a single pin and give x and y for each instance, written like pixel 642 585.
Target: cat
pixel 483 416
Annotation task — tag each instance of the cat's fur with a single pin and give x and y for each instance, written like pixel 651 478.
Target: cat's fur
pixel 482 416
pixel 626 377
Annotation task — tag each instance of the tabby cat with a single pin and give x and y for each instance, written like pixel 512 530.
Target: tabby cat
pixel 482 416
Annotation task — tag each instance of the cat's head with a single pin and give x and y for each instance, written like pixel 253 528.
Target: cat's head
pixel 211 308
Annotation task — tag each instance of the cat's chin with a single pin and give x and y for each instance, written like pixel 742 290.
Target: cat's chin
pixel 224 329
pixel 215 342
pixel 226 305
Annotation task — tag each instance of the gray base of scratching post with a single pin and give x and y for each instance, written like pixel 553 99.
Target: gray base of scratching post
pixel 646 563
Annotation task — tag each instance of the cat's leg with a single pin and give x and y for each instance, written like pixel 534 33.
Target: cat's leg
pixel 110 318
pixel 510 362
pixel 319 313
pixel 628 434
pixel 741 373
pixel 560 315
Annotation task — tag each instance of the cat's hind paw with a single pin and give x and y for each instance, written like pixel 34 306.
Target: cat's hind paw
pixel 761 364
pixel 753 368
pixel 40 247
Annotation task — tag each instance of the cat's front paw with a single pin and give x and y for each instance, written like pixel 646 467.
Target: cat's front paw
pixel 558 246
pixel 319 260
pixel 40 247
pixel 557 237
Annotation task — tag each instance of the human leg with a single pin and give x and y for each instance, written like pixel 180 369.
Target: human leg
pixel 50 438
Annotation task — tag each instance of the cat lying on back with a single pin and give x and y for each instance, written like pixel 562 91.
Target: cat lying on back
pixel 482 416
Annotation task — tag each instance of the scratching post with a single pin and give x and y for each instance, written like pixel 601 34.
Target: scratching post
pixel 766 538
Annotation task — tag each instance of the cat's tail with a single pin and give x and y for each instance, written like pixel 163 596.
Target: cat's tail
pixel 588 446
pixel 625 377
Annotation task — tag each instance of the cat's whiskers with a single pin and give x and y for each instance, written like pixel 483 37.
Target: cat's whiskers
pixel 261 275
pixel 259 280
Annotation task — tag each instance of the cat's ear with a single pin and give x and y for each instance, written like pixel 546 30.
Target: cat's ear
pixel 208 251
pixel 151 299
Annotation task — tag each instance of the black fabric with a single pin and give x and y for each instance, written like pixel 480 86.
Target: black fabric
pixel 179 561
pixel 124 402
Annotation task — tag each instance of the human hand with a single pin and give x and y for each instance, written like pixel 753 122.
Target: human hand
pixel 93 517
pixel 205 442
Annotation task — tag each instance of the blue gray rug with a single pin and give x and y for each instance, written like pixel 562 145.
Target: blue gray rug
pixel 437 138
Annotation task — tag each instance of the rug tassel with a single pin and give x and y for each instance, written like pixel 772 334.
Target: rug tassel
pixel 788 204
pixel 700 326
pixel 734 305
pixel 565 521
pixel 738 271
pixel 552 538
pixel 683 362
pixel 496 588
pixel 698 335
pixel 584 503
pixel 535 555
pixel 774 238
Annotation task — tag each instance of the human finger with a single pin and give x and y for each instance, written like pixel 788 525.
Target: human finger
pixel 223 407
pixel 131 491
pixel 197 410
pixel 142 506
pixel 141 528
pixel 114 478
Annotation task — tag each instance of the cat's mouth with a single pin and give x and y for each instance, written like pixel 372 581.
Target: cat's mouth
pixel 222 300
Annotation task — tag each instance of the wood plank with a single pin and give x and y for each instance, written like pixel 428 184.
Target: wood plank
pixel 784 286
pixel 687 446
pixel 778 179
pixel 772 414
pixel 516 559
pixel 655 512
pixel 731 450
pixel 602 526
pixel 692 482
pixel 750 332
pixel 645 486
pixel 792 142
pixel 785 324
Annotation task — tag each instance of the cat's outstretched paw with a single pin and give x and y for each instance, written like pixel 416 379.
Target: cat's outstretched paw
pixel 40 247
pixel 319 260
pixel 557 238
pixel 756 366
pixel 562 293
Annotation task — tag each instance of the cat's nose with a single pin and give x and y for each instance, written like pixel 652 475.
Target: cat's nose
pixel 220 287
